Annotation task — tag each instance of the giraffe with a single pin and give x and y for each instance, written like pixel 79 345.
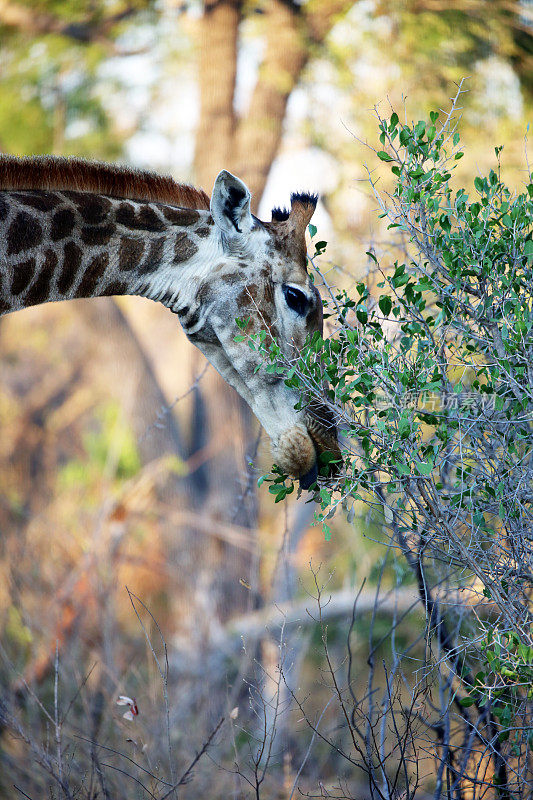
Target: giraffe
pixel 71 229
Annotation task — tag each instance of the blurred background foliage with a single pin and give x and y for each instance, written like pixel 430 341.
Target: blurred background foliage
pixel 122 460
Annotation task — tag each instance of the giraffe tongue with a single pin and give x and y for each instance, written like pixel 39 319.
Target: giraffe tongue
pixel 307 480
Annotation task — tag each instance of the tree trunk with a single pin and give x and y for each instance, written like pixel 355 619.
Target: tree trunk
pixel 259 133
pixel 217 56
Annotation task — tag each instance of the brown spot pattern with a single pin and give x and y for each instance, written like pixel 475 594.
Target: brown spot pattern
pixel 180 216
pixel 40 291
pixel 145 220
pixel 117 287
pixel 96 236
pixel 24 272
pixel 155 256
pixel 233 277
pixel 62 224
pixel 92 275
pixel 130 253
pixel 204 293
pixel 202 232
pixel 93 208
pixel 251 297
pixel 184 248
pixel 268 292
pixel 292 248
pixel 252 292
pixel 24 233
pixel 41 201
pixel 71 265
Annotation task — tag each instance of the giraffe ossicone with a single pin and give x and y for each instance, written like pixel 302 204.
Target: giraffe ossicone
pixel 70 229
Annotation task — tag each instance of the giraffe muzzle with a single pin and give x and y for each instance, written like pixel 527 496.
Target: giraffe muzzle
pixel 299 448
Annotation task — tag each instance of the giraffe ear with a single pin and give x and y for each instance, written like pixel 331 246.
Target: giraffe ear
pixel 230 205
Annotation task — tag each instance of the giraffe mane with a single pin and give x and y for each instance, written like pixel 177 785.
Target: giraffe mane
pixel 47 173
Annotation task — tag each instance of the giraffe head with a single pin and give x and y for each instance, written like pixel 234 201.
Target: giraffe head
pixel 74 229
pixel 258 273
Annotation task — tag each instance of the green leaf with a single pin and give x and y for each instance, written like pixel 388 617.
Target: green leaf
pixel 403 469
pixel 362 313
pixel 424 467
pixel 404 425
pixel 325 496
pixel 384 156
pixel 385 304
pixel 405 135
pixel 420 128
pixel 528 250
pixel 312 230
pixel 327 457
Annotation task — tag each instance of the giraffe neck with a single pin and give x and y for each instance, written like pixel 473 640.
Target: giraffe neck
pixel 59 245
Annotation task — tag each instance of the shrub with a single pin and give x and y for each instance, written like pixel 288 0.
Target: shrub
pixel 430 374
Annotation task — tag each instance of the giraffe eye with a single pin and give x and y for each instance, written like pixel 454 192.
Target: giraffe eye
pixel 296 300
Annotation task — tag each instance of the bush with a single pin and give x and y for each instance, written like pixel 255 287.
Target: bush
pixel 430 375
